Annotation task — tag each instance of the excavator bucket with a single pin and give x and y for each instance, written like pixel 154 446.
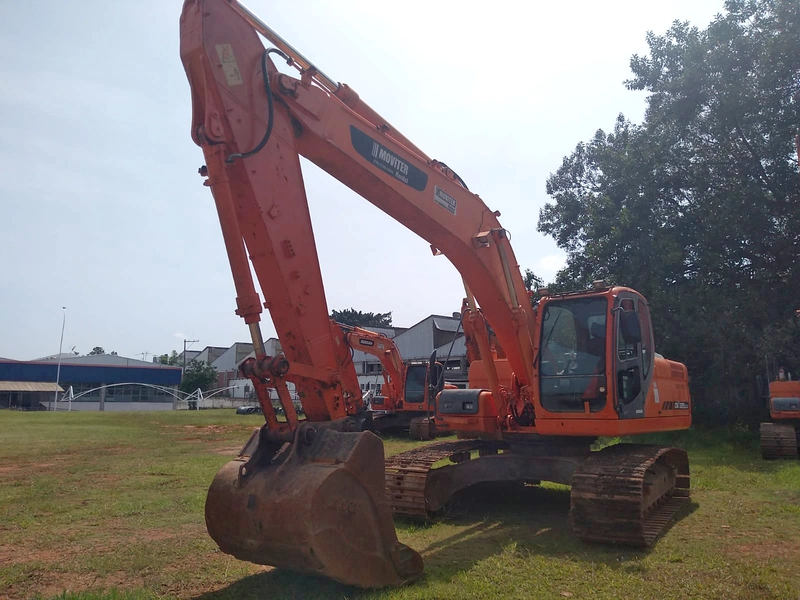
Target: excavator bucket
pixel 316 506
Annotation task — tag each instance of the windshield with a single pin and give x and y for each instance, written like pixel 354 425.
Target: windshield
pixel 572 356
pixel 415 383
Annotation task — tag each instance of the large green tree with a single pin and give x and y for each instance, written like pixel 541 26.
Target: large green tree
pixel 698 206
pixel 356 318
pixel 198 374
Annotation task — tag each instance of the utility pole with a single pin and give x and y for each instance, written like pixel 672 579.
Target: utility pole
pixel 58 370
pixel 185 341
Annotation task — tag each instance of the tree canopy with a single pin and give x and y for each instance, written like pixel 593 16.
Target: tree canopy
pixel 169 359
pixel 198 374
pixel 698 207
pixel 356 318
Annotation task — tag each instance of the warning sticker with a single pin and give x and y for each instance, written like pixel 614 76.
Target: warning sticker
pixel 229 66
pixel 443 199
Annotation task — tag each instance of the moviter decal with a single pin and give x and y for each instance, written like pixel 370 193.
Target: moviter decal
pixel 387 161
pixel 445 200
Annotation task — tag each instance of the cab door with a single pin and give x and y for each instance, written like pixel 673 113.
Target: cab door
pixel 633 355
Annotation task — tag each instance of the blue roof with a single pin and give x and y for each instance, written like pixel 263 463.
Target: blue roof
pixel 97 374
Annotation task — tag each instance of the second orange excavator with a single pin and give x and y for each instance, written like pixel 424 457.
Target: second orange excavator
pixel 545 381
pixel 406 398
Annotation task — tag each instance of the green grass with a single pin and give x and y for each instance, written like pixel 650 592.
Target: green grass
pixel 109 506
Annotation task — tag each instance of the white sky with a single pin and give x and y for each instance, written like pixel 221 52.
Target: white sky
pixel 103 210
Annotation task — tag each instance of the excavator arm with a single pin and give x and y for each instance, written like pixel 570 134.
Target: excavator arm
pixel 292 496
pixel 386 351
pixel 241 102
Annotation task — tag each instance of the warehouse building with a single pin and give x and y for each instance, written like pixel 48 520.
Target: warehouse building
pixel 132 384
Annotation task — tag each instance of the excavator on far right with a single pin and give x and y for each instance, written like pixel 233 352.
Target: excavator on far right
pixel 780 438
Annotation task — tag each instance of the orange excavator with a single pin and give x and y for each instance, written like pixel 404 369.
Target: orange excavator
pixel 317 496
pixel 781 437
pixel 406 393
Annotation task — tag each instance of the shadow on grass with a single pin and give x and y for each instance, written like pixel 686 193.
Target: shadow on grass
pixel 530 520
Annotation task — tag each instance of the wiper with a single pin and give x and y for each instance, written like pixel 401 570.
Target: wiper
pixel 546 339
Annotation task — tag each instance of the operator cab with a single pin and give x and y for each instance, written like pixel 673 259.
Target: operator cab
pixel 416 388
pixel 595 347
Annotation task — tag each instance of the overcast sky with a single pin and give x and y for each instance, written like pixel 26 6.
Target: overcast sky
pixel 103 211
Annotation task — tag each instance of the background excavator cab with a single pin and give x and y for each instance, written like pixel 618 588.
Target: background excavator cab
pixel 423 382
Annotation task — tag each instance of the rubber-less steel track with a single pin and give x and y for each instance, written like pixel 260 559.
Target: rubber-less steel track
pixel 778 441
pixel 625 494
pixel 407 472
pixel 628 493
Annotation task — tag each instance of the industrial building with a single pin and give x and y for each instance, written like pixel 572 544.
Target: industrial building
pixel 132 384
pixel 111 382
pixel 415 343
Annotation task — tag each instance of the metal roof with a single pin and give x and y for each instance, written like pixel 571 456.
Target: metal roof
pixel 445 323
pixel 29 386
pixel 459 348
pixel 111 360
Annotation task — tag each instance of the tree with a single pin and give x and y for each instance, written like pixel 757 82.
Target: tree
pixel 198 374
pixel 169 359
pixel 356 318
pixel 532 282
pixel 97 350
pixel 698 207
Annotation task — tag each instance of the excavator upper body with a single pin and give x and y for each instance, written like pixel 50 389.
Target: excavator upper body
pixel 316 495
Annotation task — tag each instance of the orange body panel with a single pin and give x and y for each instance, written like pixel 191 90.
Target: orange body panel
pixel 784 390
pixel 667 407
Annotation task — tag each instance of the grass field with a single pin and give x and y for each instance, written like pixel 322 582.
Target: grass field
pixel 110 506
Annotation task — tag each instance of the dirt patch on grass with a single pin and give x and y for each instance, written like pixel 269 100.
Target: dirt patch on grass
pixel 12 555
pixel 200 433
pixel 769 550
pixel 52 584
pixel 209 429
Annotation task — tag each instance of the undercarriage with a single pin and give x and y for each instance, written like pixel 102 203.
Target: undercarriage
pixel 417 423
pixel 626 494
pixel 779 440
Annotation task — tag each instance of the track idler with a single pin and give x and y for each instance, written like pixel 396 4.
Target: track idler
pixel 316 505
